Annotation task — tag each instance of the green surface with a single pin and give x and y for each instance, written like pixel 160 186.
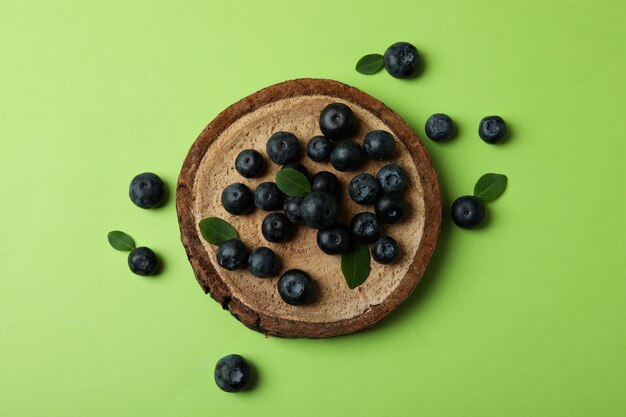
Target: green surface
pixel 522 318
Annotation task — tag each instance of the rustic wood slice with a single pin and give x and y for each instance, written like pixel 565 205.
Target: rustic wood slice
pixel 335 310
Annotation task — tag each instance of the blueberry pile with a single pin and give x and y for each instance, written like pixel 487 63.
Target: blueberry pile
pixel 319 208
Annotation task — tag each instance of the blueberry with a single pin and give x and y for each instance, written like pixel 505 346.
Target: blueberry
pixel 468 212
pixel 263 263
pixel 292 209
pixel 364 189
pixel 391 208
pixel 319 148
pixel 365 227
pixel 298 167
pixel 232 373
pixel 283 147
pixel 337 122
pixel 146 190
pixel 392 178
pixel 249 163
pixel 276 227
pixel 268 196
pixel 327 182
pixel 142 261
pixel 334 240
pixel 439 127
pixel 347 156
pixel 319 210
pixel 237 198
pixel 492 129
pixel 232 254
pixel 402 60
pixel 379 145
pixel 295 287
pixel 385 250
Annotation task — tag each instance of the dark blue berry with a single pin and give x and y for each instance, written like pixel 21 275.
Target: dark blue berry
pixel 298 167
pixel 334 240
pixel 232 254
pixel 379 145
pixel 402 60
pixel 319 148
pixel 385 250
pixel 364 227
pixel 276 227
pixel 142 261
pixel 319 210
pixel 232 373
pixel 263 263
pixel 337 122
pixel 237 198
pixel 146 190
pixel 492 129
pixel 283 147
pixel 292 209
pixel 392 178
pixel 250 163
pixel 468 212
pixel 439 127
pixel 268 196
pixel 295 287
pixel 391 208
pixel 364 189
pixel 347 156
pixel 327 182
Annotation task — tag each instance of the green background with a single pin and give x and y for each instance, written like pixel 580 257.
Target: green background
pixel 523 317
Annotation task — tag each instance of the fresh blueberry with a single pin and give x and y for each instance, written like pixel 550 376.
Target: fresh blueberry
pixel 468 212
pixel 402 60
pixel 492 129
pixel 292 209
pixel 365 227
pixel 385 250
pixel 334 240
pixel 327 182
pixel 263 263
pixel 283 147
pixel 392 178
pixel 232 254
pixel 439 127
pixel 276 227
pixel 319 148
pixel 347 156
pixel 379 145
pixel 146 190
pixel 391 208
pixel 250 163
pixel 232 373
pixel 337 122
pixel 295 287
pixel 319 210
pixel 298 167
pixel 237 198
pixel 142 261
pixel 364 189
pixel 268 196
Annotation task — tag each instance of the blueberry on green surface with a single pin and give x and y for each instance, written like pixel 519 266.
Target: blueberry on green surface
pixel 146 190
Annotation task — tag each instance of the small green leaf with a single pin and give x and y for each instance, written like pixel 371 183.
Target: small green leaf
pixel 355 265
pixel 121 241
pixel 370 64
pixel 216 230
pixel 490 186
pixel 292 182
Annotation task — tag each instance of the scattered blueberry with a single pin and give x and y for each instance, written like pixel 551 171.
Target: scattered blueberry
pixel 263 263
pixel 232 373
pixel 364 189
pixel 250 163
pixel 283 147
pixel 146 190
pixel 391 208
pixel 276 227
pixel 292 209
pixel 298 167
pixel 365 227
pixel 492 129
pixel 268 196
pixel 392 178
pixel 337 122
pixel 347 156
pixel 142 261
pixel 468 212
pixel 439 127
pixel 319 148
pixel 385 250
pixel 334 240
pixel 402 60
pixel 319 210
pixel 232 254
pixel 237 198
pixel 379 145
pixel 327 182
pixel 295 287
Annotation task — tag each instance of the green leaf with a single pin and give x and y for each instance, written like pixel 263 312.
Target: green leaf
pixel 370 64
pixel 121 241
pixel 216 230
pixel 292 182
pixel 355 265
pixel 490 186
